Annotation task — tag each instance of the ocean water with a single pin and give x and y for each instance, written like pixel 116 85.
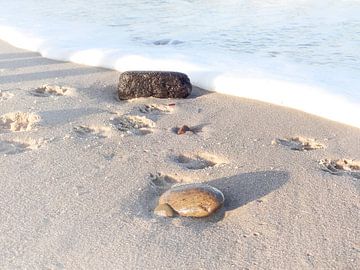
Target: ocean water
pixel 300 54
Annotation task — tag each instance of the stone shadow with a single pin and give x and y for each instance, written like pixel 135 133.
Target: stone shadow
pixel 198 92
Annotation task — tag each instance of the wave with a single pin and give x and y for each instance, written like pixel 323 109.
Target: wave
pixel 330 91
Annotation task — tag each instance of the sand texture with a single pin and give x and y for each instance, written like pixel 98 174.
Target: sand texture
pixel 81 173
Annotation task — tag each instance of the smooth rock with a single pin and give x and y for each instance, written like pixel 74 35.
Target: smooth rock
pixel 160 84
pixel 193 200
pixel 164 210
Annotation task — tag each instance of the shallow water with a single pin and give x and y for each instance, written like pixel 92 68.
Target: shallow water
pixel 301 54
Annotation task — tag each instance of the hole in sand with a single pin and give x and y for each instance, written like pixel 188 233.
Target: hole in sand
pixel 197 162
pixel 300 143
pixel 341 167
pixel 138 125
pixel 18 146
pixel 81 190
pixel 52 90
pixel 18 121
pixel 161 182
pixel 155 108
pixel 92 131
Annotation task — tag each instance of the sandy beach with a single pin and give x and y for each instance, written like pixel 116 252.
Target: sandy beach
pixel 76 166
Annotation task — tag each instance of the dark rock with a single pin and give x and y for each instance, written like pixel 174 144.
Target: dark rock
pixel 160 84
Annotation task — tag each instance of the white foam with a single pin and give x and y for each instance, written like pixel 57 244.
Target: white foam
pixel 284 61
pixel 19 39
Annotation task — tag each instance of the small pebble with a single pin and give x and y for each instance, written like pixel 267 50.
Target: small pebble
pixel 183 130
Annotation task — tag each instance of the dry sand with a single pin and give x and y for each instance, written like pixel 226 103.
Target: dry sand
pixel 76 168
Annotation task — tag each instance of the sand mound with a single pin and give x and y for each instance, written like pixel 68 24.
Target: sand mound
pixel 18 121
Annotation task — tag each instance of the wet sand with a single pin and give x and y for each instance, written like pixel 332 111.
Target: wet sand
pixel 76 167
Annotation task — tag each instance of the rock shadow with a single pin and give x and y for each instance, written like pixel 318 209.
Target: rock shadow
pixel 198 92
pixel 193 129
pixel 247 187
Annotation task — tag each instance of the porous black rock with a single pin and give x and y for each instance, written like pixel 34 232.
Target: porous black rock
pixel 160 84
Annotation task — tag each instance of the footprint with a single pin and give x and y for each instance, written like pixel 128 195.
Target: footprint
pixel 18 121
pixel 341 167
pixel 160 182
pixel 52 90
pixel 81 190
pixel 299 143
pixel 90 131
pixel 155 108
pixel 197 162
pixel 109 157
pixel 138 125
pixel 18 146
pixel 5 95
pixel 55 266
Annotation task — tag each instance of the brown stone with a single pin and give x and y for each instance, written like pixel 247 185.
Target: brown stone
pixel 183 130
pixel 164 210
pixel 160 84
pixel 193 200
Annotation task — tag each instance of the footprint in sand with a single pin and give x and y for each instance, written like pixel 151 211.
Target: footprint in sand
pixel 155 109
pixel 197 162
pixel 299 143
pixel 161 182
pixel 81 190
pixel 18 121
pixel 18 146
pixel 5 95
pixel 133 124
pixel 52 90
pixel 92 131
pixel 341 167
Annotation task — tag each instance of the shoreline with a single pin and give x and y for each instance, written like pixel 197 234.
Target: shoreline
pixel 76 190
pixel 287 84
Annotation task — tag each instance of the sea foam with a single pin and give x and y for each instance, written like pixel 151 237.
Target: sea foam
pixel 299 54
